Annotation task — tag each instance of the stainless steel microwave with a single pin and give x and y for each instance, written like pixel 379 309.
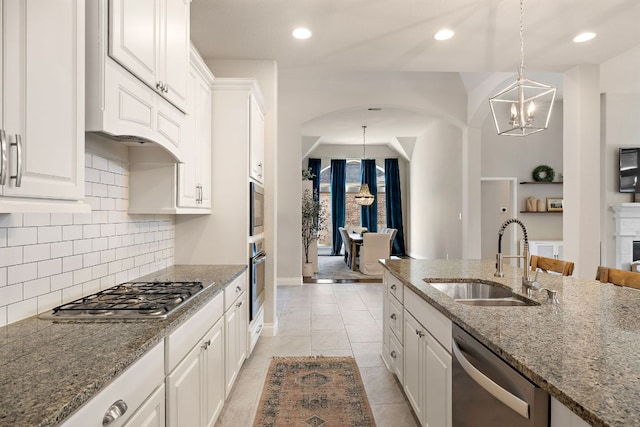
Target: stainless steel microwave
pixel 256 207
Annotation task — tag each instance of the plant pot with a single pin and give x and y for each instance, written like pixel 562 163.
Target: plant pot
pixel 307 269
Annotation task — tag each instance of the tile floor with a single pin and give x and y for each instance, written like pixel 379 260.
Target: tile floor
pixel 343 319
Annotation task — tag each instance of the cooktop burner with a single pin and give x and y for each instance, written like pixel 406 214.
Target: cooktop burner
pixel 131 300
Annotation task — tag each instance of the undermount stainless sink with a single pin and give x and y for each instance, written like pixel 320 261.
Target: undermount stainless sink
pixel 481 294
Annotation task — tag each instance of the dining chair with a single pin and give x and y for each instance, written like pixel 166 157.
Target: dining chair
pixel 618 277
pixel 545 264
pixel 346 241
pixel 375 246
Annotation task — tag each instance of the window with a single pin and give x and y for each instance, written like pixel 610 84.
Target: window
pixel 352 188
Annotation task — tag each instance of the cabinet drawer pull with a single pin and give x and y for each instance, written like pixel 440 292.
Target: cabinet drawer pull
pixel 18 175
pixel 394 354
pixel 419 333
pixel 393 287
pixel 238 289
pixel 117 409
pixel 3 157
pixel 393 316
pixel 206 344
pixel 239 304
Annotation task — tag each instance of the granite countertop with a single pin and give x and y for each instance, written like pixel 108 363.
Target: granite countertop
pixel 48 369
pixel 583 351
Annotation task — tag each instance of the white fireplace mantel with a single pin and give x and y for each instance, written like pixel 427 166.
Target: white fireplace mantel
pixel 627 230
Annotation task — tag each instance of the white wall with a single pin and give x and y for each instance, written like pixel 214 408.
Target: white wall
pixel 305 95
pixel 504 156
pixel 435 194
pixel 48 259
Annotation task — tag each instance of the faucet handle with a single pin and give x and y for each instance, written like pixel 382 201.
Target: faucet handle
pixel 552 295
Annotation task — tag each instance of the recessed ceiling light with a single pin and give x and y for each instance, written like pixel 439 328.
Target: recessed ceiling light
pixel 444 34
pixel 301 33
pixel 584 37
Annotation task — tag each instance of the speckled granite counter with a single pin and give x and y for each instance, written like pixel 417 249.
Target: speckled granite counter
pixel 584 351
pixel 48 369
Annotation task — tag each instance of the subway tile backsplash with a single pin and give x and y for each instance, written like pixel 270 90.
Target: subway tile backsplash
pixel 47 259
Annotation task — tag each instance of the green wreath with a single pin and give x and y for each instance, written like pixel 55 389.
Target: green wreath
pixel 543 173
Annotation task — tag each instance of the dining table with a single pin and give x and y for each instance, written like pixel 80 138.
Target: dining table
pixel 356 241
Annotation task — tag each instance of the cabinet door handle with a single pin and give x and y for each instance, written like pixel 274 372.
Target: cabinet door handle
pixel 393 316
pixel 239 304
pixel 419 333
pixel 238 289
pixel 3 157
pixel 393 287
pixel 206 344
pixel 393 354
pixel 18 175
pixel 115 411
pixel 159 85
pixel 165 88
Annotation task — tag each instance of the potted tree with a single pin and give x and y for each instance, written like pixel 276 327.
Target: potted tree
pixel 314 221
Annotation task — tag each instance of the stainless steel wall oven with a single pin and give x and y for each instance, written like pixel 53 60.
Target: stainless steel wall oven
pixel 256 209
pixel 257 264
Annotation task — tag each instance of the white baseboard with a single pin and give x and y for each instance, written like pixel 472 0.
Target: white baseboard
pixel 270 329
pixel 289 281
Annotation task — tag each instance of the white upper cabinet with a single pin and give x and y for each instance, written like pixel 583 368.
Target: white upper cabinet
pixel 194 176
pixel 256 139
pixel 137 61
pixel 150 38
pixel 160 186
pixel 42 105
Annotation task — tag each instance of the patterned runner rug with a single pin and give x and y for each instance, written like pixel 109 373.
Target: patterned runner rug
pixel 314 392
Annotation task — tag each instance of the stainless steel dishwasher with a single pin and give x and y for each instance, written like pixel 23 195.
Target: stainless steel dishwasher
pixel 488 392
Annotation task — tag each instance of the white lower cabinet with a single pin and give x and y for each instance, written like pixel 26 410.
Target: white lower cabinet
pixel 419 355
pixel 428 388
pixel 236 334
pixel 195 390
pixel 152 412
pixel 132 399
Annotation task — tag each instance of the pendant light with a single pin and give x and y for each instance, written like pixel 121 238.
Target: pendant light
pixel 525 106
pixel 364 196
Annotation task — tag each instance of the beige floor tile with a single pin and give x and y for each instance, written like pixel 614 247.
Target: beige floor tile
pixel 381 386
pixel 298 328
pixel 323 299
pixel 368 360
pixel 329 340
pixel 364 333
pixel 321 308
pixel 333 320
pixel 291 346
pixel 376 311
pixel 394 415
pixel 326 321
pixel 351 317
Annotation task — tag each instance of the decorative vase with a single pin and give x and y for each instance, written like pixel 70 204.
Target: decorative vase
pixel 307 269
pixel 541 206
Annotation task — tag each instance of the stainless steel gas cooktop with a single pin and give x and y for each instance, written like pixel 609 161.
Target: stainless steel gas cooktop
pixel 131 300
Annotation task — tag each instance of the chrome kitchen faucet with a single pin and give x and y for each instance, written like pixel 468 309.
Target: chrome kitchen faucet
pixel 526 256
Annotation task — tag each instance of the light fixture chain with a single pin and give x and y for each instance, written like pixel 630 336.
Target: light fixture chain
pixel 364 131
pixel 521 69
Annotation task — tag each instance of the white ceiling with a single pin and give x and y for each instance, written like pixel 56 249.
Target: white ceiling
pixel 397 35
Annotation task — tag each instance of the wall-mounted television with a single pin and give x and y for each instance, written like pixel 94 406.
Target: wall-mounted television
pixel 629 172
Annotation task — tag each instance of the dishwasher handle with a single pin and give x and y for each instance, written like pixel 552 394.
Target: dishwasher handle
pixel 514 402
